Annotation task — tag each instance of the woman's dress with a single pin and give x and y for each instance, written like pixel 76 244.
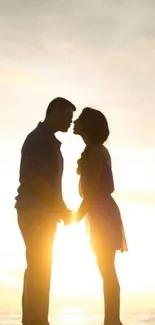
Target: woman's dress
pixel 103 217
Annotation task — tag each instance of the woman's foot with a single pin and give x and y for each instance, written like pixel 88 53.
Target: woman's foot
pixel 113 323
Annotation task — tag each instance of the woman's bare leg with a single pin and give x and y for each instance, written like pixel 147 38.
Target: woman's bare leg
pixel 111 287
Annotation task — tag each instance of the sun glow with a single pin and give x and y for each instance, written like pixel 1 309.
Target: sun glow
pixel 75 273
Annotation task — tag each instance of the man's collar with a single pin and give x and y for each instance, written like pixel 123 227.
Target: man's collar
pixel 51 136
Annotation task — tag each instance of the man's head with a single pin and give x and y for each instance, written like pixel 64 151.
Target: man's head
pixel 59 114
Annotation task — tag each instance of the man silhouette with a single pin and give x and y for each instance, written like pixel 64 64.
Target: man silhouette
pixel 40 206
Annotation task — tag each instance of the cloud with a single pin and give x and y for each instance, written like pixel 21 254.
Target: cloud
pixel 103 24
pixel 99 52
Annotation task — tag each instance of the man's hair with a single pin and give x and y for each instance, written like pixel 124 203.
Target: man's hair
pixel 60 104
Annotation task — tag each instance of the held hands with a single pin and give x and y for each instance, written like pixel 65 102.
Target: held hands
pixel 72 217
pixel 69 217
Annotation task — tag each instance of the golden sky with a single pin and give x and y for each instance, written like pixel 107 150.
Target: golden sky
pixel 97 53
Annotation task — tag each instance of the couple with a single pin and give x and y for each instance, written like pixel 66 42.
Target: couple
pixel 40 206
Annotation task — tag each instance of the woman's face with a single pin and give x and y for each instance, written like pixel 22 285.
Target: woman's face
pixel 77 128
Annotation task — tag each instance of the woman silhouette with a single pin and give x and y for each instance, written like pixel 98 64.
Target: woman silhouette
pixel 104 220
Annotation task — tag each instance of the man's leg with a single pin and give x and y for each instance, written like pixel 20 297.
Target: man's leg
pixel 39 258
pixel 26 301
pixel 38 234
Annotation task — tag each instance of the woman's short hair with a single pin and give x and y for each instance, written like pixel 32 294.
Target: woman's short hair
pixel 94 124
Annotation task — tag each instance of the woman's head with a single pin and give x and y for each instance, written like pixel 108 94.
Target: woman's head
pixel 92 126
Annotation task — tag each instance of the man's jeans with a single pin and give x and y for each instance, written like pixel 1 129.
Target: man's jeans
pixel 38 230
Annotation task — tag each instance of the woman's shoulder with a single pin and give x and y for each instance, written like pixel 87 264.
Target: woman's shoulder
pixel 99 155
pixel 100 152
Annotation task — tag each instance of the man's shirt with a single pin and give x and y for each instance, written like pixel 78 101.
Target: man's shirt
pixel 40 171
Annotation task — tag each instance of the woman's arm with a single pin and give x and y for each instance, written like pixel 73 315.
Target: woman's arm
pixel 94 168
pixel 82 211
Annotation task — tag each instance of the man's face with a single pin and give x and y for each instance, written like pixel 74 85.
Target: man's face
pixel 66 119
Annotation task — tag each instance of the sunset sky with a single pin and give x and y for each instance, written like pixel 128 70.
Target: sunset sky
pixel 97 53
